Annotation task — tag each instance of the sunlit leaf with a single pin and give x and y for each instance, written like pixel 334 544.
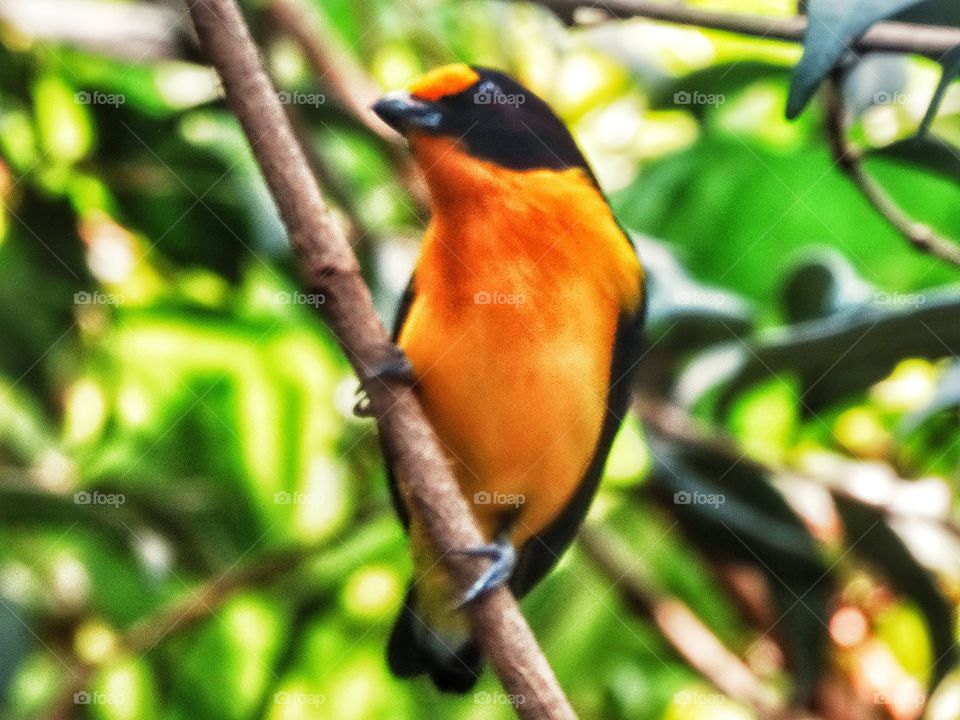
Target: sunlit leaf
pixel 871 538
pixel 63 120
pixel 951 68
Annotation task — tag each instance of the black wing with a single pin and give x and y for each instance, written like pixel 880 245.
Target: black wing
pixel 403 309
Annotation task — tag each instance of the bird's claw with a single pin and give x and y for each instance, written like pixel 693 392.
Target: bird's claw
pixel 397 369
pixel 503 558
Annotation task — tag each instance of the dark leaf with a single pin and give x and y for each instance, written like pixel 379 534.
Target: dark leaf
pixel 931 12
pixel 822 284
pixel 834 24
pixel 929 153
pixel 729 509
pixel 14 643
pixel 842 355
pixel 951 68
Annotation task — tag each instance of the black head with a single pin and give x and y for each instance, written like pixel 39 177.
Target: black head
pixel 493 116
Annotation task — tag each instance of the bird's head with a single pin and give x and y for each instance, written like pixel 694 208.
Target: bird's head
pixel 456 114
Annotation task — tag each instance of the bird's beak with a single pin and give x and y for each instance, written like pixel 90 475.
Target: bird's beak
pixel 403 112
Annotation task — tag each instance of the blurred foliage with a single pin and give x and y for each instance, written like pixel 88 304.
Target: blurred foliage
pixel 172 409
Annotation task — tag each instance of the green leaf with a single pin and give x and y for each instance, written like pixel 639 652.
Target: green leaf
pixel 722 79
pixel 736 210
pixel 25 432
pixel 63 120
pixel 124 690
pixel 834 24
pixel 870 537
pixel 18 137
pixel 239 647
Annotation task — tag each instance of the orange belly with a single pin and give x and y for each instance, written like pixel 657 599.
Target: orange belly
pixel 516 389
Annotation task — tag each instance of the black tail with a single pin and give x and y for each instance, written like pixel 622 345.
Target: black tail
pixel 414 650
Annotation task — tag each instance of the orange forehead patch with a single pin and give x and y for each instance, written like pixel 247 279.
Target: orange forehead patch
pixel 443 81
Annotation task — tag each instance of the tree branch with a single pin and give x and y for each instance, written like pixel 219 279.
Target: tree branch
pixel 328 266
pixel 927 40
pixel 922 237
pixel 673 422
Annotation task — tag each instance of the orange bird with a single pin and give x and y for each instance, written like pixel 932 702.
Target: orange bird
pixel 520 328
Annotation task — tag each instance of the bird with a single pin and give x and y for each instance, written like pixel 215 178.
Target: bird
pixel 520 332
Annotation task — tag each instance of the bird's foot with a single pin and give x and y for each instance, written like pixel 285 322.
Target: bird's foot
pixel 397 370
pixel 503 558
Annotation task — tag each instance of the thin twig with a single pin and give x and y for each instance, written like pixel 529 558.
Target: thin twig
pixel 681 627
pixel 340 73
pixel 203 602
pixel 850 159
pixel 363 237
pixel 927 40
pixel 329 267
pixel 333 64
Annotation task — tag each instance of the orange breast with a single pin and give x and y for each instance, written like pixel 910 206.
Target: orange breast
pixel 520 284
